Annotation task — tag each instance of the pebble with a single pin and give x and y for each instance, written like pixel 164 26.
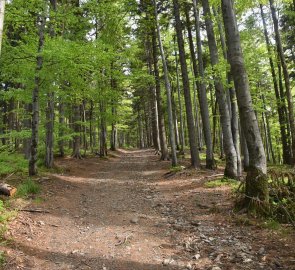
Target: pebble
pixel 197 256
pixel 215 268
pixel 167 262
pixel 134 220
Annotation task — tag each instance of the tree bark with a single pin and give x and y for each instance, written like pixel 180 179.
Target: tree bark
pixel 231 99
pixel 281 107
pixel 2 12
pixel 168 91
pixel 76 126
pixel 231 168
pixel 153 99
pixel 35 101
pixel 204 108
pixel 27 123
pixel 256 180
pixel 162 131
pixel 103 152
pixel 286 77
pixel 61 128
pixel 182 138
pixel 49 140
pixel 195 159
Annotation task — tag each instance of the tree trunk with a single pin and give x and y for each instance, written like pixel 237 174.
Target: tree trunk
pixel 27 123
pixel 182 138
pixel 231 99
pixel 256 180
pixel 114 130
pixel 77 140
pixel 245 151
pixel 2 12
pixel 168 91
pixel 162 132
pixel 153 101
pixel 281 107
pixel 103 152
pixel 195 159
pixel 204 108
pixel 231 168
pixel 49 126
pixel 286 77
pixel 35 101
pixel 61 128
pixel 49 131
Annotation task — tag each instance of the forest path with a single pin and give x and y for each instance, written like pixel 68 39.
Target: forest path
pixel 124 212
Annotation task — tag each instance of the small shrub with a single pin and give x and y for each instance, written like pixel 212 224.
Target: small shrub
pixel 28 187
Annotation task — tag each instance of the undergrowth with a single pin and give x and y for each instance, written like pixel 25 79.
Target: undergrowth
pixel 281 207
pixel 28 187
pixel 12 163
pixel 234 184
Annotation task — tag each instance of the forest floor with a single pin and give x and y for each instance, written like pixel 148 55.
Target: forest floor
pixel 126 212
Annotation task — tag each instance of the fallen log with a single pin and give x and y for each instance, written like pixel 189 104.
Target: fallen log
pixel 7 190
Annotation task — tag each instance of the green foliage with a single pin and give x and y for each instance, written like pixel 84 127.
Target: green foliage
pixel 2 258
pixel 5 216
pixel 12 163
pixel 28 187
pixel 271 224
pixel 234 184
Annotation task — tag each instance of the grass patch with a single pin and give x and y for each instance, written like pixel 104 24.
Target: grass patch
pixel 223 182
pixel 28 187
pixel 177 169
pixel 271 224
pixel 5 216
pixel 2 258
pixel 12 163
pixel 38 200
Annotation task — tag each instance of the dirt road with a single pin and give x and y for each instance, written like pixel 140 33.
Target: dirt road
pixel 124 213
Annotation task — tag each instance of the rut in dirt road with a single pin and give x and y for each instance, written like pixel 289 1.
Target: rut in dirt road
pixel 125 213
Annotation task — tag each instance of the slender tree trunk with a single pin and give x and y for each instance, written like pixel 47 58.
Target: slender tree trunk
pixel 245 151
pixel 204 108
pixel 195 159
pixel 103 131
pixel 161 122
pixel 168 92
pixel 27 125
pixel 268 130
pixel 114 130
pixel 77 139
pixel 61 128
pixel 286 76
pixel 182 138
pixel 49 141
pixel 231 168
pixel 287 159
pixel 84 119
pixel 35 101
pixel 153 101
pixel 256 180
pixel 231 99
pixel 2 12
pixel 91 132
